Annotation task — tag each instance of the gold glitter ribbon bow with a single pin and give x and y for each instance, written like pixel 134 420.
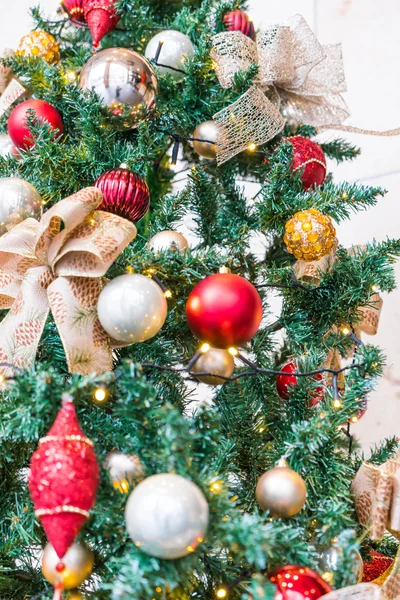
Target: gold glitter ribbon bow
pixel 376 491
pixel 58 264
pixel 296 74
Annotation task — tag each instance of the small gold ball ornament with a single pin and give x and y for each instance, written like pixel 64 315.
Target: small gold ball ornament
pixel 310 235
pixel 124 470
pixel 39 43
pixel 281 491
pixel 207 131
pixel 216 361
pixel 167 240
pixel 74 567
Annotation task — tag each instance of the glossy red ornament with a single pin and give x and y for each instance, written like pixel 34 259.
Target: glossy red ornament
pixel 237 20
pixel 294 582
pixel 75 9
pixel 124 194
pixel 18 128
pixel 285 382
pixel 63 479
pixel 309 158
pixel 376 566
pixel 224 310
pixel 101 17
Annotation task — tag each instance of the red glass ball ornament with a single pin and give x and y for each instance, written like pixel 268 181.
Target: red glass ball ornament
pixel 285 382
pixel 294 582
pixel 237 20
pixel 101 17
pixel 74 9
pixel 309 158
pixel 124 194
pixel 224 310
pixel 18 128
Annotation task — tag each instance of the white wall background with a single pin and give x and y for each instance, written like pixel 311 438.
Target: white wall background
pixel 368 30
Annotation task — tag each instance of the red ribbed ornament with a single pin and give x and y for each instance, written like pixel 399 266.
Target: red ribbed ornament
pixel 63 479
pixel 298 583
pixel 101 17
pixel 224 310
pixel 237 20
pixel 74 9
pixel 124 194
pixel 309 158
pixel 285 384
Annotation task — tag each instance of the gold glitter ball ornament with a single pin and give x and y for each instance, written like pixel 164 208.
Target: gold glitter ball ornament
pixel 39 43
pixel 310 235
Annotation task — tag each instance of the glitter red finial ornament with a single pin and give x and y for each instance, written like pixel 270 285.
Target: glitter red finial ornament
pixel 74 9
pixel 101 17
pixel 124 194
pixel 63 479
pixel 309 158
pixel 237 20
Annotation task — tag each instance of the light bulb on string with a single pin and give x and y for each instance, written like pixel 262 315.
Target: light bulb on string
pixel 100 394
pixel 222 592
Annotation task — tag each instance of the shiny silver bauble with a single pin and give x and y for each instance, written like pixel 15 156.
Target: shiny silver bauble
pixel 167 516
pixel 216 361
pixel 78 565
pixel 168 240
pixel 5 144
pixel 176 49
pixel 206 131
pixel 132 308
pixel 18 201
pixel 124 470
pixel 329 561
pixel 281 491
pixel 125 83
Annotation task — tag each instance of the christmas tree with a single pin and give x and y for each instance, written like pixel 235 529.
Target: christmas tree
pixel 114 326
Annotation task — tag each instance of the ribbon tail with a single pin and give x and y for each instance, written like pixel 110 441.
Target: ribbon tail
pixel 73 303
pixel 22 328
pixel 391 587
pixel 361 591
pixel 252 119
pixel 351 129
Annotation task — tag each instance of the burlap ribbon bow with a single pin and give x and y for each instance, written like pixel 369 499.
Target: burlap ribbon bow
pixel 296 74
pixel 57 264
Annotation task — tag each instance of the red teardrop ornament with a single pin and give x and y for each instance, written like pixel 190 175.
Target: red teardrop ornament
pixel 101 17
pixel 309 158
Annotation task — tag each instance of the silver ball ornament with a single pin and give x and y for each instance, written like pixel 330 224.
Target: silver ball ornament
pixel 167 516
pixel 78 565
pixel 125 83
pixel 216 361
pixel 281 491
pixel 206 131
pixel 167 240
pixel 18 200
pixel 176 49
pixel 132 308
pixel 329 561
pixel 5 144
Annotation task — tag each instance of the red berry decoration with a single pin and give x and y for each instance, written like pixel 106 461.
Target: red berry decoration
pixel 284 383
pixel 298 583
pixel 75 9
pixel 124 194
pixel 237 20
pixel 376 566
pixel 101 17
pixel 309 158
pixel 18 128
pixel 63 479
pixel 224 310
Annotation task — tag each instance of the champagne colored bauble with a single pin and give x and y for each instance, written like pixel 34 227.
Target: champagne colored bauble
pixel 237 20
pixel 207 131
pixel 294 582
pixel 18 201
pixel 124 193
pixel 167 516
pixel 175 51
pixel 39 43
pixel 6 144
pixel 329 560
pixel 281 491
pixel 309 158
pixel 132 308
pixel 217 362
pixel 167 240
pixel 18 127
pixel 285 383
pixel 310 235
pixel 224 310
pixel 125 83
pixel 74 567
pixel 124 470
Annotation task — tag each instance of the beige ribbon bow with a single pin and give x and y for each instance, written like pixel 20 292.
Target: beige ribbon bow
pixel 57 264
pixel 299 75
